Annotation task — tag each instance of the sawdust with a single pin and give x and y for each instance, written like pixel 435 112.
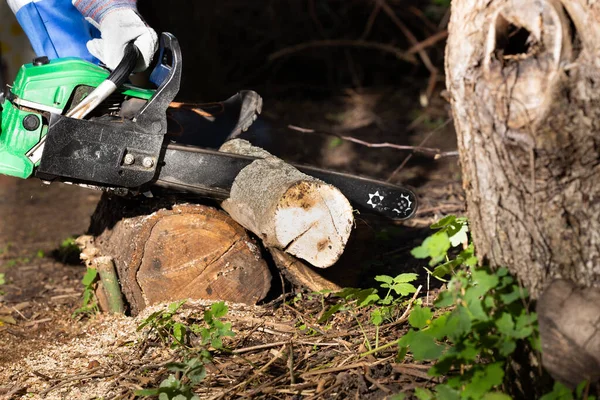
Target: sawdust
pixel 106 350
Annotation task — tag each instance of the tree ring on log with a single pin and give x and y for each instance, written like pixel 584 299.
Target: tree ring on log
pixel 167 252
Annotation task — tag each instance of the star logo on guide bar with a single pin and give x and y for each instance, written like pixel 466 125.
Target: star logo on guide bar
pixel 404 204
pixel 375 199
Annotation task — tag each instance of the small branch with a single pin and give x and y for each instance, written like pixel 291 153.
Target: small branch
pixel 427 137
pixel 431 151
pixel 430 41
pixel 386 48
pixel 110 283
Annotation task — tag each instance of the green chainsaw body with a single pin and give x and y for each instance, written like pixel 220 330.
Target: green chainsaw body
pixel 68 120
pixel 40 89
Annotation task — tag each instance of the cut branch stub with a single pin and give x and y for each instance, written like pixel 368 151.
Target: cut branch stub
pixel 287 209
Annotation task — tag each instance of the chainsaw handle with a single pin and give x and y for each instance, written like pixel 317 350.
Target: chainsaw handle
pixel 130 57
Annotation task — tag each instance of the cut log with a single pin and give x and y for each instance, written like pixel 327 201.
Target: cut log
pixel 165 252
pixel 287 209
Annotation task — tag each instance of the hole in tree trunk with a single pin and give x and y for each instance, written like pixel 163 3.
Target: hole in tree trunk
pixel 512 40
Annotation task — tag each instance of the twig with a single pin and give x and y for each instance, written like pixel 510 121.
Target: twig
pixel 409 35
pixel 256 373
pixel 258 347
pixel 371 21
pixel 368 377
pixel 334 369
pixel 343 368
pixel 430 41
pixel 400 54
pixel 89 375
pixel 291 363
pixel 436 153
pixel 414 42
pixel 425 139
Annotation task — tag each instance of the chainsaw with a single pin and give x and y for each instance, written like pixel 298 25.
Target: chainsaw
pixel 72 121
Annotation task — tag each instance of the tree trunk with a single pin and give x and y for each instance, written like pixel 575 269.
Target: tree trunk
pixel 165 251
pixel 523 78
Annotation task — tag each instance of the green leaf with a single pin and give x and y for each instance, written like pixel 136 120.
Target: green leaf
pixel 149 320
pixel 484 280
pixel 496 396
pixel 445 392
pixel 90 276
pixel 505 324
pixel 507 347
pixel 459 323
pixel 559 392
pixel 422 345
pixel 442 223
pixel 171 382
pixel 327 314
pixel 384 278
pixel 484 380
pixel 219 309
pixel 173 307
pixel 404 278
pixel 513 295
pixel 364 297
pixel 460 236
pixel 179 332
pixel 404 289
pixel 435 246
pixel 444 299
pixel 446 268
pixel 368 300
pixel 402 351
pixel 474 303
pixel 423 394
pixel 376 317
pixel 420 317
pixel 196 373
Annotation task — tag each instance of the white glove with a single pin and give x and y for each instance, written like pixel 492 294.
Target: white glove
pixel 118 28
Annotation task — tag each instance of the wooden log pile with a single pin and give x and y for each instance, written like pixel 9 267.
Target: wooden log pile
pixel 165 249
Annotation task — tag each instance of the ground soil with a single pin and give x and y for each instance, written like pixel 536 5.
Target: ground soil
pixel 45 353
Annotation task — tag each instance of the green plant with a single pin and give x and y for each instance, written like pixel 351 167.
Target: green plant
pixel 68 251
pixel 382 309
pixel 177 335
pixel 2 282
pixel 472 342
pixel 89 305
pixel 170 332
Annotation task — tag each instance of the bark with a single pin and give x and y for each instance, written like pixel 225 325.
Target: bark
pixel 165 251
pixel 523 79
pixel 287 209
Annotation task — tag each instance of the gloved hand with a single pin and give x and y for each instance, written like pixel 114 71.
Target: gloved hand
pixel 118 28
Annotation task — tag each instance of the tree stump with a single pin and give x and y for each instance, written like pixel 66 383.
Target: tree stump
pixel 165 251
pixel 523 79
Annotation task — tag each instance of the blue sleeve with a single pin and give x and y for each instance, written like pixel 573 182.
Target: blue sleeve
pixel 56 28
